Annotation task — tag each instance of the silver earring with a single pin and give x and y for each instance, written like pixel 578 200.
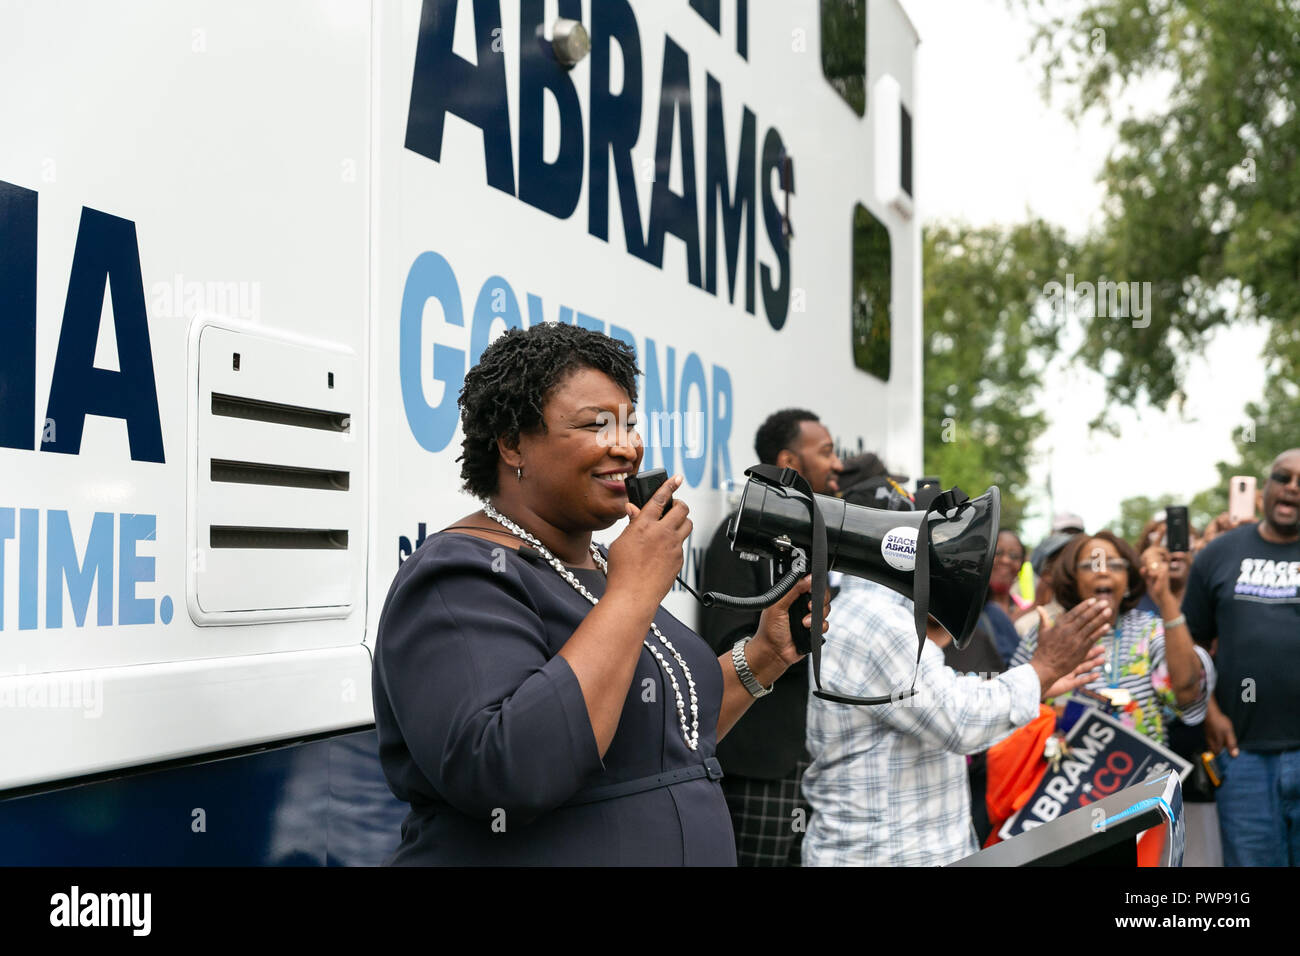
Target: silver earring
pixel 519 473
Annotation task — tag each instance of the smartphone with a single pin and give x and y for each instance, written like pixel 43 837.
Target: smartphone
pixel 641 488
pixel 1214 767
pixel 1241 498
pixel 1177 537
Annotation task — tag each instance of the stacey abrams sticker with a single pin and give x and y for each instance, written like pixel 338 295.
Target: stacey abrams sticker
pixel 898 548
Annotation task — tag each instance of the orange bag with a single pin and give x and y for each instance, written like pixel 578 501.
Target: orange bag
pixel 1015 767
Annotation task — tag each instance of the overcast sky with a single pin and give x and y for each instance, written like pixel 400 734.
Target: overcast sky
pixel 989 150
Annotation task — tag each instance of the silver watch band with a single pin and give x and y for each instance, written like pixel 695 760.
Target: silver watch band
pixel 742 669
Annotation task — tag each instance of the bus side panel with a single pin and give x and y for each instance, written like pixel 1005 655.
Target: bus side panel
pixel 184 208
pixel 588 202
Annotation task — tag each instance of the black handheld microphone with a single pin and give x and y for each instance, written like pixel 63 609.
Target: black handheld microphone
pixel 641 488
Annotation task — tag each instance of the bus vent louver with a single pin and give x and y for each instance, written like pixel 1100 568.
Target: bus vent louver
pixel 278 517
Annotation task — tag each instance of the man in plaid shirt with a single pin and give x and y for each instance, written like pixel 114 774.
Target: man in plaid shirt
pixel 888 783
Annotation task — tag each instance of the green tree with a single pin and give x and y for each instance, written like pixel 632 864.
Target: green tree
pixel 1207 505
pixel 1270 427
pixel 989 332
pixel 1201 195
pixel 1137 511
pixel 844 49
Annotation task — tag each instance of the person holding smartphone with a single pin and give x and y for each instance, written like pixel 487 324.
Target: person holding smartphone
pixel 1156 543
pixel 1153 670
pixel 1169 538
pixel 1244 592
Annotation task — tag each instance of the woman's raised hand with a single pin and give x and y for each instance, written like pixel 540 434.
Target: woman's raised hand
pixel 1154 567
pixel 647 556
pixel 1222 523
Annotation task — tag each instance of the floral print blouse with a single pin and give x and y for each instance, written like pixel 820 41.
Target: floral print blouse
pixel 1135 678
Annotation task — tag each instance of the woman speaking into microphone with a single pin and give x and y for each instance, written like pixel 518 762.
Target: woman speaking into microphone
pixel 534 703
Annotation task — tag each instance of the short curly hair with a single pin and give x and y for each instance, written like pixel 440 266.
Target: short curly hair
pixel 780 432
pixel 1065 573
pixel 504 393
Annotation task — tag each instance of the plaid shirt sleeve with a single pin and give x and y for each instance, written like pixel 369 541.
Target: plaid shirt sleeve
pixel 874 641
pixel 887 784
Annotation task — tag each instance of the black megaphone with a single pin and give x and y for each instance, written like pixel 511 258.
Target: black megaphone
pixel 880 545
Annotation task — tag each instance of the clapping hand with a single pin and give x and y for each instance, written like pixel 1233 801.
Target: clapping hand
pixel 1067 655
pixel 1084 674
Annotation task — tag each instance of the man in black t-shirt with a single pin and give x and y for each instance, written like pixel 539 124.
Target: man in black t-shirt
pixel 764 756
pixel 1244 590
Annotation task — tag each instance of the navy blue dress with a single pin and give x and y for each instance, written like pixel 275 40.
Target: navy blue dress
pixel 484 732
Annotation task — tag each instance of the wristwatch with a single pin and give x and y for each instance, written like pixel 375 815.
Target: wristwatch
pixel 743 672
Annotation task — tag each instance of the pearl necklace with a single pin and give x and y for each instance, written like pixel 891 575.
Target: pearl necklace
pixel 691 736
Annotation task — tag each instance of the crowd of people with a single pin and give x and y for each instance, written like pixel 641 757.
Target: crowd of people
pixel 535 703
pixel 1231 598
pixel 1145 635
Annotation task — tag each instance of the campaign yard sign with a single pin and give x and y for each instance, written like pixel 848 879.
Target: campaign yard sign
pixel 1105 757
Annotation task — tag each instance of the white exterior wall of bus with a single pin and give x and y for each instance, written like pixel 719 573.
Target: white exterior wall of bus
pixel 181 131
pixel 285 701
pixel 776 368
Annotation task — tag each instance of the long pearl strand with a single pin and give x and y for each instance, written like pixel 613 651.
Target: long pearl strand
pixel 691 735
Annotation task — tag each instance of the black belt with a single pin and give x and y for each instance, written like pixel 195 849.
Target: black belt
pixel 710 768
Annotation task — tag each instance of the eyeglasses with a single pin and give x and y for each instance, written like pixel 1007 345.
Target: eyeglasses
pixel 1282 478
pixel 1114 564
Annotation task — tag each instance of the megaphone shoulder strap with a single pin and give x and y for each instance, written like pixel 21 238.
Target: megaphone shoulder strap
pixel 945 502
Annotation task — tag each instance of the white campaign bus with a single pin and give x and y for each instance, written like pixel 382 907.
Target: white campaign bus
pixel 247 253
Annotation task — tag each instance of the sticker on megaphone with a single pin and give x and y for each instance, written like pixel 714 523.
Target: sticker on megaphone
pixel 898 548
